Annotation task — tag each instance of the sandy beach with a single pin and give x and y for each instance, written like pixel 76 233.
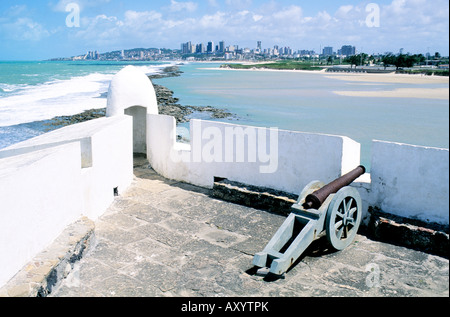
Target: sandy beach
pixel 378 79
pixel 413 92
pixel 390 78
pixel 432 93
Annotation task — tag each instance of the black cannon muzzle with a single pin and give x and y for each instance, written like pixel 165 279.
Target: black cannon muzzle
pixel 316 199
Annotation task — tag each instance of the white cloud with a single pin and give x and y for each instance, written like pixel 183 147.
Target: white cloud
pixel 182 6
pixel 61 5
pixel 213 3
pixel 291 14
pixel 257 17
pixel 217 20
pixel 402 22
pixel 16 25
pixel 343 11
pixel 239 4
pixel 24 29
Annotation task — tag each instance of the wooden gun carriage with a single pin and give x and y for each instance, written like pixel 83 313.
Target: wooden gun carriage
pixel 334 209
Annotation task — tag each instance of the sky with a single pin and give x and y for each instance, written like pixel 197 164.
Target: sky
pixel 44 29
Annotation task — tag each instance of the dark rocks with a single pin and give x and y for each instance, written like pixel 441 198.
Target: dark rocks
pixel 62 121
pixel 167 105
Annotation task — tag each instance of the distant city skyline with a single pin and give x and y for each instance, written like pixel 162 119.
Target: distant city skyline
pixel 43 29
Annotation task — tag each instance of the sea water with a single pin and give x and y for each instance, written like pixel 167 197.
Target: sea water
pixel 306 102
pixel 33 92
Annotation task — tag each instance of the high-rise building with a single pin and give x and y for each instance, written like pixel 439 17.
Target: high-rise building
pixel 186 48
pixel 200 48
pixel 348 50
pixel 210 48
pixel 258 46
pixel 222 46
pixel 327 51
pixel 92 55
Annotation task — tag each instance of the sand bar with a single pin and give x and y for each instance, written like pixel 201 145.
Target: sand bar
pixel 390 78
pixel 374 80
pixel 413 92
pixel 432 93
pixel 353 77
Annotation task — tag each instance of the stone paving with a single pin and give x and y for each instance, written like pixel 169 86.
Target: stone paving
pixel 163 238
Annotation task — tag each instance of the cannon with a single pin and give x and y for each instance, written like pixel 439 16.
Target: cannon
pixel 334 209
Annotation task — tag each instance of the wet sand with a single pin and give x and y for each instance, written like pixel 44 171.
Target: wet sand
pixel 380 79
pixel 413 92
pixel 431 93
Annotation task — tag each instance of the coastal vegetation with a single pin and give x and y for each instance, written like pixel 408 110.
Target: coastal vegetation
pixel 403 63
pixel 279 65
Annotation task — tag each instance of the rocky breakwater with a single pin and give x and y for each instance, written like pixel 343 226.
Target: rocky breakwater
pixel 167 105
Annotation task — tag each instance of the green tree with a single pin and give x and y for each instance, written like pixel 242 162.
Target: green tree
pixel 330 60
pixel 388 59
pixel 353 60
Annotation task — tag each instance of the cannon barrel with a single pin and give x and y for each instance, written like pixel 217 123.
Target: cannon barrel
pixel 316 199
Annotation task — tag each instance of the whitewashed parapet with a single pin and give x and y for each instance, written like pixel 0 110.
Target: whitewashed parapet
pixel 106 157
pixel 50 181
pixel 39 197
pixel 411 181
pixel 278 159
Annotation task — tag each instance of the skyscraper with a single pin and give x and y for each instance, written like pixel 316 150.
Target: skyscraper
pixel 200 48
pixel 186 48
pixel 327 51
pixel 348 50
pixel 210 48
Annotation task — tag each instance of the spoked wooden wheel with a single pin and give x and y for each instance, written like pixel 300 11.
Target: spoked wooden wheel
pixel 343 218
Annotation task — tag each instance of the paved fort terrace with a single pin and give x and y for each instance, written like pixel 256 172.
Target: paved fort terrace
pixel 117 206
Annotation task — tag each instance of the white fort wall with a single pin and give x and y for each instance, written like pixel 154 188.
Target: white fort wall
pixel 39 198
pixel 411 181
pixel 52 180
pixel 405 180
pixel 278 159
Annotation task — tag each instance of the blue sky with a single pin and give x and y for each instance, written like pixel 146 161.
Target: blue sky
pixel 37 29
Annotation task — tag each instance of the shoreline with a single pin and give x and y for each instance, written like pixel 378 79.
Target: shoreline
pixel 440 93
pixel 269 70
pixel 419 93
pixel 374 80
pixel 167 105
pixel 370 77
pixel 390 78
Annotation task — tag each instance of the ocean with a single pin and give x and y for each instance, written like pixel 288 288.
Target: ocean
pixel 306 102
pixel 34 91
